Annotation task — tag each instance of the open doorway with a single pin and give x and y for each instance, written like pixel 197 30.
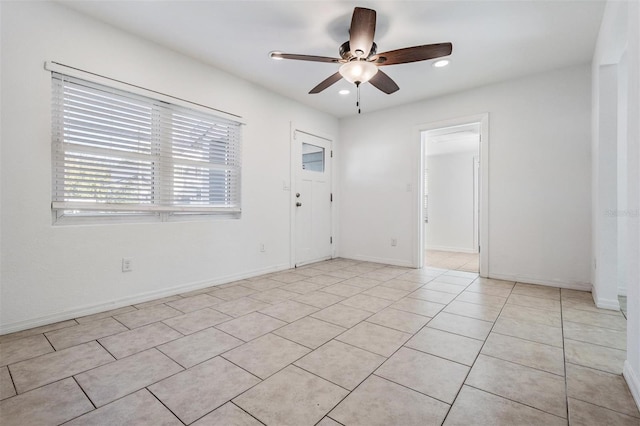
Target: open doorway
pixel 453 226
pixel 451 197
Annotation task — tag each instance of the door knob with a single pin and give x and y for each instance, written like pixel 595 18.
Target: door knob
pixel 297 195
pixel 298 204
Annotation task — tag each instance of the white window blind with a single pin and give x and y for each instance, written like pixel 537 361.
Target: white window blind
pixel 119 152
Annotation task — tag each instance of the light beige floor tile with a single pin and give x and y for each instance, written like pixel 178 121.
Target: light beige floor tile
pixel 525 352
pixel 275 295
pixel 266 355
pixel 232 293
pixel 139 408
pixel 342 273
pixel 585 414
pixel 72 336
pixel 344 290
pixel 342 364
pixel 374 338
pixel 473 310
pixel 37 330
pixel 227 415
pixel 594 356
pixel 464 274
pixel 437 377
pixel 444 287
pixel 262 284
pixel 378 275
pixel 239 307
pixel 302 287
pixel 386 293
pixel 475 407
pixel 327 421
pixel 139 339
pixel 6 384
pixel 450 279
pixel 418 306
pixel 291 397
pixel 539 316
pixel 482 299
pixel 54 366
pixel 446 345
pixel 537 291
pixel 400 284
pixel 288 277
pixel 105 314
pixel 399 320
pixel 587 305
pixel 160 301
pixel 324 280
pixel 566 293
pixel 195 392
pixel 465 326
pixel 616 339
pixel 536 388
pixel 600 388
pixel 197 347
pixel 146 316
pixel 319 299
pixel 196 321
pixel 368 303
pixel 342 315
pixel 117 379
pixel 380 402
pixel 251 326
pixel 432 296
pixel 194 303
pixel 22 349
pixel 310 332
pixel 289 311
pixel 491 287
pixel 534 302
pixel 527 330
pixel 50 405
pixel 613 322
pixel 201 291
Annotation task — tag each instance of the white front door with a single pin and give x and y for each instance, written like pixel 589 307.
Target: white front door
pixel 312 161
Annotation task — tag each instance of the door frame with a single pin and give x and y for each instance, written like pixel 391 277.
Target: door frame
pixel 418 223
pixel 292 188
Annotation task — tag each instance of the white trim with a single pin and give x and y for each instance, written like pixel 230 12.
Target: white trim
pixel 542 281
pixel 418 214
pixel 633 381
pixel 453 249
pixel 612 304
pixel 386 261
pixel 118 84
pixel 131 300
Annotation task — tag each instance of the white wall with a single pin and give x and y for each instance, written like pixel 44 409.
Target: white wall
pixel 57 272
pixel 616 68
pixel 451 202
pixel 539 169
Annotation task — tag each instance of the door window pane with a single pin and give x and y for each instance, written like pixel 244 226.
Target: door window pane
pixel 312 157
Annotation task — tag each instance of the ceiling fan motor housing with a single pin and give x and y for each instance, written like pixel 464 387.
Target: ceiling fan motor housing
pixel 345 51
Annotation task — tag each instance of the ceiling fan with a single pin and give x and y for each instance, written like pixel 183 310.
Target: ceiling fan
pixel 359 57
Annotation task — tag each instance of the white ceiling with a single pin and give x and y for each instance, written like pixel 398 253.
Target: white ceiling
pixel 492 40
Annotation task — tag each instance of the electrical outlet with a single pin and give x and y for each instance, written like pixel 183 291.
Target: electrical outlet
pixel 127 264
pixel 262 248
pixel 394 242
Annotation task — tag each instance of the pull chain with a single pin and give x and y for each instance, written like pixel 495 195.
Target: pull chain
pixel 358 96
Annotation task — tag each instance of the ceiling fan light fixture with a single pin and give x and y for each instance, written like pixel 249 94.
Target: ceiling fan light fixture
pixel 441 63
pixel 358 71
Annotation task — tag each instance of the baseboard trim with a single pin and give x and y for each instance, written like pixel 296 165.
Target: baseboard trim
pixel 132 300
pixel 394 262
pixel 633 381
pixel 542 281
pixel 612 304
pixel 452 249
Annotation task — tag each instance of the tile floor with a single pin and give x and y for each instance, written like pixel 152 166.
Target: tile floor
pixel 337 342
pixel 467 262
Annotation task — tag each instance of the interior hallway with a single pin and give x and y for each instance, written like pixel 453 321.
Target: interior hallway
pixel 337 342
pixel 468 262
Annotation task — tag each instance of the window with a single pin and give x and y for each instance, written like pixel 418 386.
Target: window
pixel 117 153
pixel 312 157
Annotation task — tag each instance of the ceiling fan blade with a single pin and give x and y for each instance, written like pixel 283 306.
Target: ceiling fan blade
pixel 326 83
pixel 383 82
pixel 279 55
pixel 363 28
pixel 413 54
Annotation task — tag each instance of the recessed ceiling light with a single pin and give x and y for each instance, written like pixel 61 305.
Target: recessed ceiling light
pixel 441 63
pixel 344 92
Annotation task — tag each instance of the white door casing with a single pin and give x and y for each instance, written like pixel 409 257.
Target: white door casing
pixel 311 162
